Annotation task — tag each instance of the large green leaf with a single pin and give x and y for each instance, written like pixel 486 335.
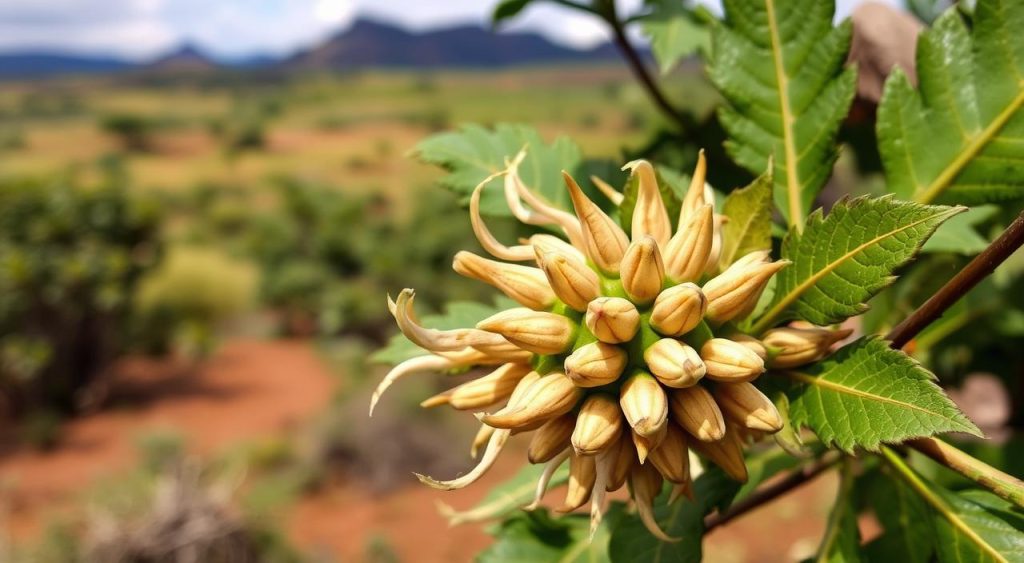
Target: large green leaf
pixel 906 520
pixel 841 542
pixel 960 136
pixel 527 537
pixel 473 152
pixel 780 66
pixel 507 497
pixel 841 260
pixel 674 33
pixel 457 314
pixel 749 227
pixel 978 526
pixel 867 394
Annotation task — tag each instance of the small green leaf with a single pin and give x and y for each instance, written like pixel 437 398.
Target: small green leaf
pixel 841 542
pixel 958 137
pixel 457 314
pixel 780 67
pixel 527 537
pixel 959 234
pixel 674 33
pixel 867 394
pixel 507 9
pixel 842 260
pixel 906 520
pixel 507 497
pixel 473 152
pixel 749 228
pixel 978 526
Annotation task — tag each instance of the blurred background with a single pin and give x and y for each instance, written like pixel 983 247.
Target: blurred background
pixel 202 208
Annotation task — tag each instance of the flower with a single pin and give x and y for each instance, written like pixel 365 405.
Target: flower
pixel 625 355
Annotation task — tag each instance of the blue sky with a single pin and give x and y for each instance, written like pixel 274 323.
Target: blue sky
pixel 233 28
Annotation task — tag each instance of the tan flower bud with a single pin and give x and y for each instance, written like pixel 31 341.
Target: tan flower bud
pixel 644 445
pixel 612 319
pixel 582 474
pixel 754 344
pixel 613 195
pixel 484 391
pixel 695 410
pixel 673 363
pixel 536 331
pixel 737 289
pixel 696 194
pixel 671 457
pixel 595 364
pixel 526 285
pixel 642 271
pixel 730 361
pixel 717 241
pixel 744 404
pixel 687 252
pixel 551 438
pixel 799 346
pixel 598 425
pixel 726 453
pixel 483 435
pixel 644 404
pixel 755 257
pixel 455 340
pixel 604 239
pixel 649 216
pixel 678 309
pixel 543 244
pixel 624 460
pixel 551 395
pixel 646 485
pixel 571 279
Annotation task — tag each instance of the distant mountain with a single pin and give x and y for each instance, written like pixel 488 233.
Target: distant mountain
pixel 39 64
pixel 369 43
pixel 187 58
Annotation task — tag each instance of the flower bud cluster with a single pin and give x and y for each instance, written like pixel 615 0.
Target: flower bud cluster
pixel 624 357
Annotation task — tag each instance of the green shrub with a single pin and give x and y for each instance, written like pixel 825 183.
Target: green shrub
pixel 133 131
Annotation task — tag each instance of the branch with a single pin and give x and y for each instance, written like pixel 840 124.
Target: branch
pixel 1002 484
pixel 769 493
pixel 980 267
pixel 636 64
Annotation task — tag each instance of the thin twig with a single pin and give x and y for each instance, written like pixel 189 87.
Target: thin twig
pixel 769 493
pixel 636 64
pixel 1000 483
pixel 980 267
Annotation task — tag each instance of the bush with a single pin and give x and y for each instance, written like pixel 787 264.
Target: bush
pixel 70 259
pixel 134 132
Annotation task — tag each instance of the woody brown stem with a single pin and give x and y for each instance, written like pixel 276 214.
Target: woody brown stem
pixel 1000 483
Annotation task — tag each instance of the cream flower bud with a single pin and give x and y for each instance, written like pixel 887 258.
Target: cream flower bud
pixel 754 344
pixel 687 252
pixel 605 242
pixel 595 364
pixel 799 346
pixel 571 279
pixel 696 194
pixel 646 485
pixel 644 445
pixel 543 244
pixel 678 309
pixel 624 460
pixel 649 216
pixel 738 288
pixel 744 404
pixel 695 410
pixel 644 404
pixel 598 425
pixel 551 395
pixel 551 438
pixel 483 435
pixel 483 391
pixel 730 361
pixel 673 363
pixel 716 244
pixel 642 271
pixel 671 457
pixel 755 257
pixel 612 319
pixel 536 331
pixel 526 285
pixel 582 474
pixel 726 453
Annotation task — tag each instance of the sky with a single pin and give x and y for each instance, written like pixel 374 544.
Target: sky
pixel 142 29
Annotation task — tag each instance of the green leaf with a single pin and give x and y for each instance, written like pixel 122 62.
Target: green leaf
pixel 841 542
pixel 842 260
pixel 749 227
pixel 978 527
pixel 473 152
pixel 959 235
pixel 507 497
pixel 909 535
pixel 866 394
pixel 960 136
pixel 457 314
pixel 674 33
pixel 527 537
pixel 780 67
pixel 507 9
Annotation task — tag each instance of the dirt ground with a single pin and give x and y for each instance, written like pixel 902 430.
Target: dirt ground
pixel 253 389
